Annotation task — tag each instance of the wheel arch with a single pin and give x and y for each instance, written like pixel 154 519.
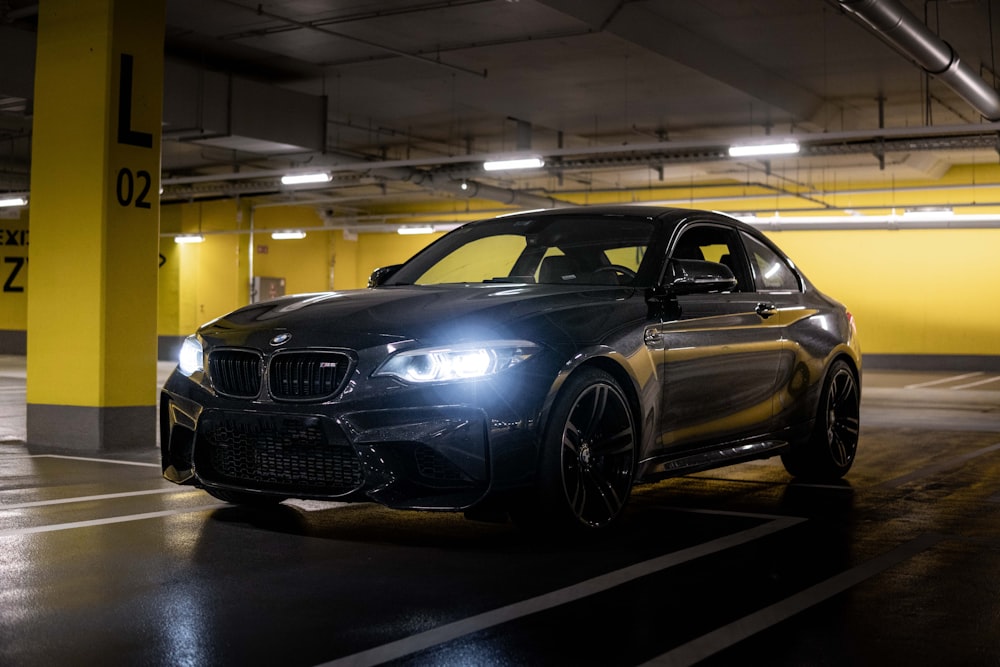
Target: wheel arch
pixel 549 489
pixel 622 377
pixel 853 364
pixel 628 385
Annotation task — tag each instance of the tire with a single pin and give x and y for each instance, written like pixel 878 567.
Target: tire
pixel 588 456
pixel 830 450
pixel 244 498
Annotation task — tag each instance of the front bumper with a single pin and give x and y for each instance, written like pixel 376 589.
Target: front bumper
pixel 448 457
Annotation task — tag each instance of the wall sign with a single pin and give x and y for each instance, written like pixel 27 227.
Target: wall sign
pixel 12 266
pixel 132 186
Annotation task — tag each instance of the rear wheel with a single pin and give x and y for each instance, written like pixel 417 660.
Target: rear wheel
pixel 588 457
pixel 830 451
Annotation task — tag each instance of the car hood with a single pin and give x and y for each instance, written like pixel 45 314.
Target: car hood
pixel 557 315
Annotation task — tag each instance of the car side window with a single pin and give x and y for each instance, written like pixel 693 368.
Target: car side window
pixel 771 272
pixel 714 243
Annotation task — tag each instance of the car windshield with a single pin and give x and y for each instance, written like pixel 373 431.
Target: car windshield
pixel 602 250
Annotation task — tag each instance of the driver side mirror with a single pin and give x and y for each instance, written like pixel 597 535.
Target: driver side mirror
pixel 692 276
pixel 380 275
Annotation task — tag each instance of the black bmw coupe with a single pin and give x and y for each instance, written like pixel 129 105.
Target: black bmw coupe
pixel 537 364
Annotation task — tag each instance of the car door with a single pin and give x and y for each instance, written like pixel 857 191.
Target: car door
pixel 780 290
pixel 720 351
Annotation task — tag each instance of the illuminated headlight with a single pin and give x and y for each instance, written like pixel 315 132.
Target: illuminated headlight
pixel 192 357
pixel 457 362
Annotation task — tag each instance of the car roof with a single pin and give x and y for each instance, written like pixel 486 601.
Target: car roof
pixel 663 214
pixel 668 217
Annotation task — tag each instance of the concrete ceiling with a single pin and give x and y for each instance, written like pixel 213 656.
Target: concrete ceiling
pixel 402 99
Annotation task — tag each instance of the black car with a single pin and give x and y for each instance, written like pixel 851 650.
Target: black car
pixel 539 364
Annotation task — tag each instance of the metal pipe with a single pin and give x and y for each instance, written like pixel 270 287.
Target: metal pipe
pixel 472 189
pixel 891 21
pixel 657 148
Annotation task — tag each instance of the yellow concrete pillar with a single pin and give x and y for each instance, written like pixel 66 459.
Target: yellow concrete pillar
pixel 95 176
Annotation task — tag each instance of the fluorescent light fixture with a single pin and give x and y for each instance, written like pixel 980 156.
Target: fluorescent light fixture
pixel 424 229
pixel 288 235
pixel 518 163
pixel 300 179
pixel 189 238
pixel 749 150
pixel 13 201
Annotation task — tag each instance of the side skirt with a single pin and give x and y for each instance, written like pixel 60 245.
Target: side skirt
pixel 661 467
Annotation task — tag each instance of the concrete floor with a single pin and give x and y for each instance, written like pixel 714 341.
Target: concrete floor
pixel 101 562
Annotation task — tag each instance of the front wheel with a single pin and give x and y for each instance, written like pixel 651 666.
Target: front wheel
pixel 830 451
pixel 588 458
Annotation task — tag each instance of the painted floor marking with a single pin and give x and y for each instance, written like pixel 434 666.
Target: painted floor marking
pixel 110 520
pixel 952 378
pixel 978 383
pixel 722 638
pixel 445 633
pixel 936 468
pixel 103 496
pixel 91 460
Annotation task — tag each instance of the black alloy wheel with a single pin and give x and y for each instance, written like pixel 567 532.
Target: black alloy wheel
pixel 588 461
pixel 830 451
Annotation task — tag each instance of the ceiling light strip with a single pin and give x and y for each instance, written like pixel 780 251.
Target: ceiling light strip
pixel 515 163
pixel 8 202
pixel 288 235
pixel 751 150
pixel 304 178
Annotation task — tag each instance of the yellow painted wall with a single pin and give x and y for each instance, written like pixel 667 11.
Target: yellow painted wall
pixel 199 282
pixel 168 282
pixel 911 291
pixel 375 250
pixel 303 263
pixel 343 261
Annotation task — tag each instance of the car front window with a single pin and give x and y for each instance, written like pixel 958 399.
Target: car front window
pixel 478 261
pixel 603 250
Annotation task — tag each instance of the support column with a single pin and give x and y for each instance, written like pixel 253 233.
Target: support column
pixel 95 178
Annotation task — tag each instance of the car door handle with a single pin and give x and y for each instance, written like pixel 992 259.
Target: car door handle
pixel 766 310
pixel 652 337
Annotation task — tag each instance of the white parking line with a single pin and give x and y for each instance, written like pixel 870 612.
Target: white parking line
pixel 92 460
pixel 953 378
pixel 451 631
pixel 979 383
pixel 110 520
pixel 718 640
pixel 103 496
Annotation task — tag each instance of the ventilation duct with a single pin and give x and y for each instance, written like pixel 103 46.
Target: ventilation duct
pixel 229 112
pixel 891 21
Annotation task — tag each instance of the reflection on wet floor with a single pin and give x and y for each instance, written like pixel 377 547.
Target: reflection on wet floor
pixel 101 561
